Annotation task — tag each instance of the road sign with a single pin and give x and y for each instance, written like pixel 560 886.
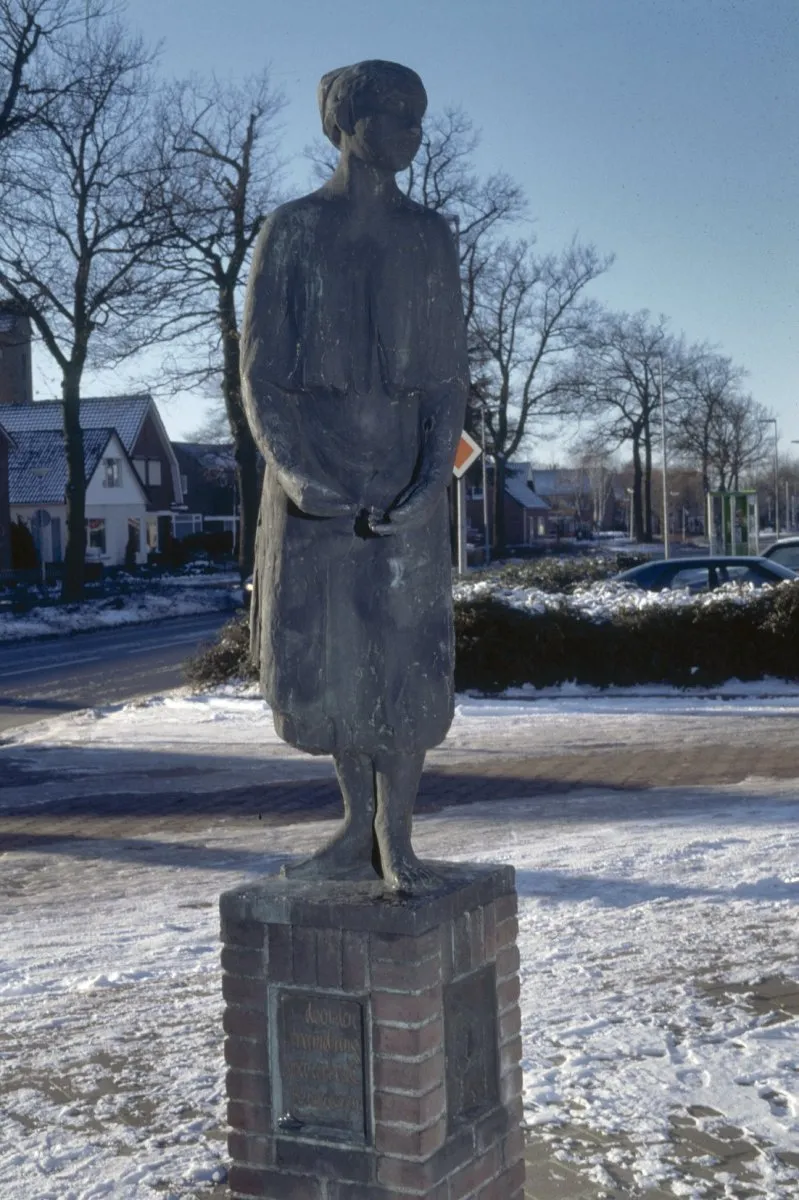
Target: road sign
pixel 467 453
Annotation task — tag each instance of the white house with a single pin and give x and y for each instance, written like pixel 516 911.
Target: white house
pixel 116 502
pixel 141 431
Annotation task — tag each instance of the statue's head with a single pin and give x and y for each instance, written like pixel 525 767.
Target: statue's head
pixel 374 109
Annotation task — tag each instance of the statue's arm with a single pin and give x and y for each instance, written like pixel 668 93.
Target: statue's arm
pixel 443 406
pixel 272 401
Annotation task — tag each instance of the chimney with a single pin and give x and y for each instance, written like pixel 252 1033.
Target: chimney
pixel 16 372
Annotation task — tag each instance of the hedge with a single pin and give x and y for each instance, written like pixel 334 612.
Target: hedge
pixel 500 647
pixel 694 646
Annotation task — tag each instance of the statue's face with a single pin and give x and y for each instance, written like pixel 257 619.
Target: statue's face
pixel 387 133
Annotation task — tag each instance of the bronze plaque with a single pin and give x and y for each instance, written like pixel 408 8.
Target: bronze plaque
pixel 470 1038
pixel 322 1078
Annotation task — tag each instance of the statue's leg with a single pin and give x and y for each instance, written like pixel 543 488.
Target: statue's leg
pixel 348 853
pixel 397 777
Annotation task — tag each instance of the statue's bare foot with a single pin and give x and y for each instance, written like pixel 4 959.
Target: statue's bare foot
pixel 409 875
pixel 348 855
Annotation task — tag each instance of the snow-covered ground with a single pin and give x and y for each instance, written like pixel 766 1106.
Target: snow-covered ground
pixel 631 917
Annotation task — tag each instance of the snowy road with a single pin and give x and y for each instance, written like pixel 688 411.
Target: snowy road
pixel 86 670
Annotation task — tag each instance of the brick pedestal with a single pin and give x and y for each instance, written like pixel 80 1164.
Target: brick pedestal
pixel 373 1042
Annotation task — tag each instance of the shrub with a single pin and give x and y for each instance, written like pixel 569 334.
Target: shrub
pixel 225 660
pixel 698 645
pixel 217 543
pixel 23 547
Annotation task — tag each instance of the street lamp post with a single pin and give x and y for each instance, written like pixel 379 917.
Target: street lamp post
pixel 631 493
pixel 663 446
pixel 794 442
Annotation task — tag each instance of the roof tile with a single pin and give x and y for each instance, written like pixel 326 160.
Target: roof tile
pixel 37 464
pixel 125 414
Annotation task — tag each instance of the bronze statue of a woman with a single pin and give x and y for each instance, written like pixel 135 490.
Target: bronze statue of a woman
pixel 355 376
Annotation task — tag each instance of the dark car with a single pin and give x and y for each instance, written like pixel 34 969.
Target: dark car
pixel 703 574
pixel 785 551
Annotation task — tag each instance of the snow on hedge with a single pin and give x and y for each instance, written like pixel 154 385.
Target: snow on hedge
pixel 604 600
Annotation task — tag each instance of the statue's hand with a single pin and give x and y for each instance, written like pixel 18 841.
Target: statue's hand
pixel 412 508
pixel 313 498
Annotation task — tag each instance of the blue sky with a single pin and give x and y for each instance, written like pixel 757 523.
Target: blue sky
pixel 665 131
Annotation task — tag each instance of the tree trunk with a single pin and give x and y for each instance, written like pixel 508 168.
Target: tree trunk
pixel 638 520
pixel 499 548
pixel 244 448
pixel 75 553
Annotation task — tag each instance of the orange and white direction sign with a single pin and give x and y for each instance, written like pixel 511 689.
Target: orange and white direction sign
pixel 468 452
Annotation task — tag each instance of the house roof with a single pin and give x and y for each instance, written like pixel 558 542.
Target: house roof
pixel 517 487
pixel 37 464
pixel 125 414
pixel 560 481
pixel 211 456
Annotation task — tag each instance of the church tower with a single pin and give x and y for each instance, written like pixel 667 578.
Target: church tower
pixel 16 372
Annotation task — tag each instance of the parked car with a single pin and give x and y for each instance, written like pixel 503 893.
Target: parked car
pixel 703 574
pixel 785 551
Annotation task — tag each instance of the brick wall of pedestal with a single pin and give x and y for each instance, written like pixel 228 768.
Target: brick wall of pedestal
pixel 412 1148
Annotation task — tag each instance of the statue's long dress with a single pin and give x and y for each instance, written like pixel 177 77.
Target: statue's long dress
pixel 354 369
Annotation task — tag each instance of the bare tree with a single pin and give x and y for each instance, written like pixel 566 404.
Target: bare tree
pixel 214 429
pixel 31 69
pixel 597 464
pixel 720 428
pixel 740 440
pixel 711 381
pixel 222 173
pixel 615 384
pixel 443 178
pixel 530 316
pixel 76 242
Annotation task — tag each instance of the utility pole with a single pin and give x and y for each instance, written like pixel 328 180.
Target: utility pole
pixel 787 508
pixel 486 533
pixel 663 447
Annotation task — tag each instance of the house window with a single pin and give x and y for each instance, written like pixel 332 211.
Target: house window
pixel 95 534
pixel 113 472
pixel 148 471
pixel 184 484
pixel 184 525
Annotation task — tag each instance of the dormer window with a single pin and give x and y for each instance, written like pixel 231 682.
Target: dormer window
pixel 112 472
